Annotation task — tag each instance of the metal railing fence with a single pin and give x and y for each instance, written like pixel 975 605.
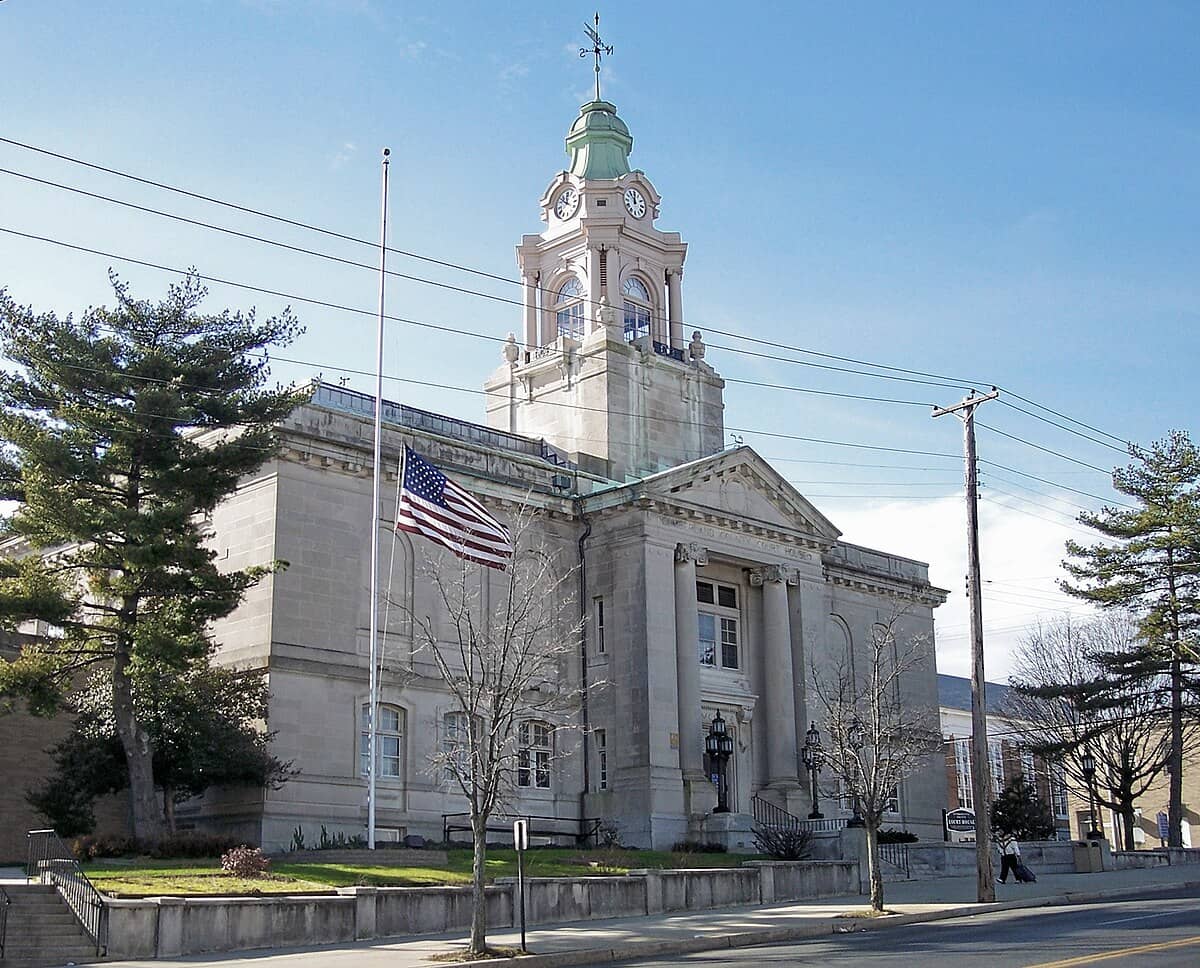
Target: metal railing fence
pixel 896 855
pixel 768 814
pixel 5 904
pixel 52 862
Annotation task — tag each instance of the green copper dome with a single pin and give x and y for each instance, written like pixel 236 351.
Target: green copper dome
pixel 599 142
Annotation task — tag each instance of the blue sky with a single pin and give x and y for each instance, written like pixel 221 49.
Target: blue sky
pixel 1004 195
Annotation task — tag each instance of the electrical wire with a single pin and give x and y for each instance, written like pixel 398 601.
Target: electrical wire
pixel 495 277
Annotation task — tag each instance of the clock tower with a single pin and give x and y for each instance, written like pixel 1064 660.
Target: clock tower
pixel 606 369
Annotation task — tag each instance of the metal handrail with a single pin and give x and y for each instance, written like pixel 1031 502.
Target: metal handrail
pixel 52 862
pixel 768 814
pixel 896 855
pixel 5 904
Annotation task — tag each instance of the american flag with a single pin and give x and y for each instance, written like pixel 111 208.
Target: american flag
pixel 433 505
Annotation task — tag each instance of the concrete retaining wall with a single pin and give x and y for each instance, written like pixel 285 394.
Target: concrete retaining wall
pixel 1128 859
pixel 1184 855
pixel 954 860
pixel 169 927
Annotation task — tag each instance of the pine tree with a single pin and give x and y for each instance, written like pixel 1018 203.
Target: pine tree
pixel 121 431
pixel 1151 566
pixel 1020 813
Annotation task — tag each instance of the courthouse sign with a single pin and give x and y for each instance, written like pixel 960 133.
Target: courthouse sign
pixel 960 825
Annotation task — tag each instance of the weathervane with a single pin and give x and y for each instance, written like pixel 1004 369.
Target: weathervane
pixel 598 48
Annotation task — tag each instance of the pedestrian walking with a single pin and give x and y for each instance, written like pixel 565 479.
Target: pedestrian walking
pixel 1010 857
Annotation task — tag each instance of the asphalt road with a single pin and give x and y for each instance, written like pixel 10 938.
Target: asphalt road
pixel 1157 931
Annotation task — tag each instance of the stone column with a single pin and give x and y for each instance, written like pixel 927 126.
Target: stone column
pixel 675 306
pixel 531 311
pixel 699 794
pixel 592 293
pixel 779 721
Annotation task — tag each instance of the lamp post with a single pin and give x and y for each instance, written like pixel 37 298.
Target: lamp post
pixel 1088 763
pixel 814 756
pixel 719 746
pixel 857 737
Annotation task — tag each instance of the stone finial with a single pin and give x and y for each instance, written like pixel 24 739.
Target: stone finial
pixel 607 316
pixel 511 351
pixel 691 552
pixel 696 346
pixel 774 573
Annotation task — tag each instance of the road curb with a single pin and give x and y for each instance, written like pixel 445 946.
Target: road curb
pixel 824 927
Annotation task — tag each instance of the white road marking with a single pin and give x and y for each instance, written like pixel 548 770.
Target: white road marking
pixel 1143 917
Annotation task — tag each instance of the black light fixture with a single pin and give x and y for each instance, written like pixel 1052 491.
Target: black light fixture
pixel 1087 763
pixel 814 756
pixel 718 744
pixel 856 736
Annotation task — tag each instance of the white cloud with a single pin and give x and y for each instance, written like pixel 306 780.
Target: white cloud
pixel 344 154
pixel 1020 561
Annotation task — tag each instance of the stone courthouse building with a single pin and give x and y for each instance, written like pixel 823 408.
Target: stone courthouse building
pixel 709 583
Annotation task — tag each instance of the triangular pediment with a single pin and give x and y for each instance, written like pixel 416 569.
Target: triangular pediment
pixel 737 484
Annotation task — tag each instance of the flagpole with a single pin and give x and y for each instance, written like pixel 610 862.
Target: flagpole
pixel 376 496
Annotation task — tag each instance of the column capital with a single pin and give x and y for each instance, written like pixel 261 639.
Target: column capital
pixel 774 573
pixel 691 552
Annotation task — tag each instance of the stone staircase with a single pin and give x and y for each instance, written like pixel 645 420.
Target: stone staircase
pixel 42 930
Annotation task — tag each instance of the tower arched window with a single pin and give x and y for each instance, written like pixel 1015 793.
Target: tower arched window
pixel 568 309
pixel 637 306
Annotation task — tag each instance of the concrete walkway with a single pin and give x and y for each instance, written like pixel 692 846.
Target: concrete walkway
pixel 597 942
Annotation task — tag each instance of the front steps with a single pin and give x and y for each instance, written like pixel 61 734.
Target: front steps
pixel 42 930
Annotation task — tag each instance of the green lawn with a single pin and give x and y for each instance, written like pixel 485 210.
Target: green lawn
pixel 127 878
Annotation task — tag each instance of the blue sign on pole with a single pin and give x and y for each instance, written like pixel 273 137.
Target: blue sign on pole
pixel 1164 828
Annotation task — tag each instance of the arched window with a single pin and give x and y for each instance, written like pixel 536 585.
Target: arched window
pixel 568 309
pixel 389 741
pixel 533 754
pixel 637 308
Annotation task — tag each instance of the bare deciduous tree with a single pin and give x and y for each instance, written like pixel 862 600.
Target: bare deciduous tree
pixel 1069 702
pixel 879 737
pixel 506 648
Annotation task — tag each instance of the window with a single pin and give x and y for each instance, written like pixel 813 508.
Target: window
pixel 456 747
pixel 718 644
pixel 1058 791
pixel 533 755
pixel 1028 774
pixel 637 308
pixel 598 609
pixel 601 759
pixel 568 309
pixel 389 740
pixel 996 759
pixel 891 803
pixel 962 766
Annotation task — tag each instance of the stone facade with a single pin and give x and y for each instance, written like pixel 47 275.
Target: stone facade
pixel 709 584
pixel 25 763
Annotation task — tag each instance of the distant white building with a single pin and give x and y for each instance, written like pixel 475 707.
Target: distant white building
pixel 1006 756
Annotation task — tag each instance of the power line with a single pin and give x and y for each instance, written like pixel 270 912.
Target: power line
pixel 1046 450
pixel 425 325
pixel 493 276
pixel 1053 423
pixel 438 328
pixel 493 297
pixel 1064 487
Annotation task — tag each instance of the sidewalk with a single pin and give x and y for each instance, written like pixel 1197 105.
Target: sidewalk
pixel 598 942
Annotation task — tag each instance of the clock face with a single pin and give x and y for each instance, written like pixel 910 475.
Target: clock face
pixel 635 203
pixel 568 201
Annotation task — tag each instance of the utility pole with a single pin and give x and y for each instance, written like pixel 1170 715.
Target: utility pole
pixel 981 773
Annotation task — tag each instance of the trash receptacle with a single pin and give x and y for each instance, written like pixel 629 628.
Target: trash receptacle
pixel 1086 859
